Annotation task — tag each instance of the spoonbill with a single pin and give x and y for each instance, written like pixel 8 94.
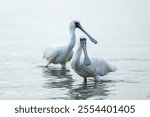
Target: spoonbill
pixel 89 67
pixel 61 55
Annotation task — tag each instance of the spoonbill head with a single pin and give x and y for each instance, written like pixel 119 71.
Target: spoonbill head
pixel 61 55
pixel 76 24
pixel 89 66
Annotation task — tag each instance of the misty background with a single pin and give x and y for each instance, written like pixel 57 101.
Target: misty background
pixel 27 27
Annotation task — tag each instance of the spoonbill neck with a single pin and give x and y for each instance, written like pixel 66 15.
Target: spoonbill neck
pixel 72 39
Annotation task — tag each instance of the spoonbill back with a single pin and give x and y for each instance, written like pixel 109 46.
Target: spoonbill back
pixel 61 55
pixel 89 67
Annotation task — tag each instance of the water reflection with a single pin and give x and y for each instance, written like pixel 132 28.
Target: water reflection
pixel 57 78
pixel 56 72
pixel 62 79
pixel 90 90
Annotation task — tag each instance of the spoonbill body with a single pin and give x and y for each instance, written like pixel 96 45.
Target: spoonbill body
pixel 89 67
pixel 61 55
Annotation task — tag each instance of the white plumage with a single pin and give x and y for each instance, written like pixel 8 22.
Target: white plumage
pixel 89 67
pixel 61 55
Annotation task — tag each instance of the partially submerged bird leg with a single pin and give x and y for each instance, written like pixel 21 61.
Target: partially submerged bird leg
pixel 63 66
pixel 49 62
pixel 97 78
pixel 85 79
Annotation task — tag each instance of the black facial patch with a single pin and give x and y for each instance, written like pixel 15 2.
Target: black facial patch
pixel 82 40
pixel 77 24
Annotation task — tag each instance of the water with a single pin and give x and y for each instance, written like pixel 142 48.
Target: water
pixel 28 27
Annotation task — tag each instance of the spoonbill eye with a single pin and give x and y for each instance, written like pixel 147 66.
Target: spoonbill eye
pixel 77 24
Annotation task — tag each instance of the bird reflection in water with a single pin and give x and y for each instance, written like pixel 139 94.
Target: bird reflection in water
pixel 90 90
pixel 58 78
pixel 62 79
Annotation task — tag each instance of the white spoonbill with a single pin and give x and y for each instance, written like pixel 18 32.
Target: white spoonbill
pixel 61 55
pixel 89 67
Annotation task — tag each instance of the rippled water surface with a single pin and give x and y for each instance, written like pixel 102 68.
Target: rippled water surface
pixel 28 27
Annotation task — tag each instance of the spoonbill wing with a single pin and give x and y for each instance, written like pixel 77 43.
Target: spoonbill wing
pixel 102 67
pixel 50 53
